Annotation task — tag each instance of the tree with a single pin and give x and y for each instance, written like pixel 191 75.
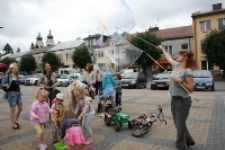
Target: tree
pixel 81 57
pixel 7 48
pixel 32 46
pixel 8 60
pixel 18 50
pixel 144 60
pixel 52 59
pixel 213 46
pixel 28 63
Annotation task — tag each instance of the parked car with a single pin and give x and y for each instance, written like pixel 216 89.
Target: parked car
pixel 134 79
pixel 124 71
pixel 32 79
pixel 62 80
pixel 160 81
pixel 22 79
pixel 78 76
pixel 203 80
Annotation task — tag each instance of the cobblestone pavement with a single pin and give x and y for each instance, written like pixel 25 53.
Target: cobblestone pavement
pixel 206 123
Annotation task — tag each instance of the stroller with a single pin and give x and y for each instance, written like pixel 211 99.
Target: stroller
pixel 101 98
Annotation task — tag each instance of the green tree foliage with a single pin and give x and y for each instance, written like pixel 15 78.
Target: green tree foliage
pixel 28 63
pixel 7 49
pixel 81 57
pixel 213 46
pixel 8 60
pixel 144 60
pixel 32 46
pixel 51 58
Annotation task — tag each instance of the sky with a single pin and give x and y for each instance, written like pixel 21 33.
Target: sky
pixel 22 20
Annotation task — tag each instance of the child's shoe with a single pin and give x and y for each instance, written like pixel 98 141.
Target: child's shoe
pixel 90 140
pixel 45 145
pixel 101 115
pixel 42 146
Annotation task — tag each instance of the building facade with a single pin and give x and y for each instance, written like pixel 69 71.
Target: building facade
pixel 203 23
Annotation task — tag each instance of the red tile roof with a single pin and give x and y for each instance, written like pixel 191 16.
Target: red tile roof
pixel 174 33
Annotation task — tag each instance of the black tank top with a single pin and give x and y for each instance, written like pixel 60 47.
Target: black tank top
pixel 14 86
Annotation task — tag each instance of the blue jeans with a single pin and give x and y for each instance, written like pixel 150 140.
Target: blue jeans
pixel 14 99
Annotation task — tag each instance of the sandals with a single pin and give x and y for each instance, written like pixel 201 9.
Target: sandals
pixel 17 126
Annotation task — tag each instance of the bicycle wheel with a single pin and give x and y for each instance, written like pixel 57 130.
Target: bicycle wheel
pixel 140 130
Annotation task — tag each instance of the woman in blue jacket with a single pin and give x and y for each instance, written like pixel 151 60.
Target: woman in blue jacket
pixel 13 94
pixel 108 85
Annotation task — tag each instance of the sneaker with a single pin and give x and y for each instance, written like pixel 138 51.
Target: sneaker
pixel 90 140
pixel 41 146
pixel 45 146
pixel 101 115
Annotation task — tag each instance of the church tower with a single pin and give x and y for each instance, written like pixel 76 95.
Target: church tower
pixel 49 41
pixel 39 41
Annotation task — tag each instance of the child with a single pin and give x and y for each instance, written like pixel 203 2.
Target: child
pixel 88 112
pixel 118 88
pixel 38 112
pixel 58 118
pixel 72 134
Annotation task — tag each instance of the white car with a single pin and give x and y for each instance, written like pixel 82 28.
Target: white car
pixel 32 80
pixel 63 81
pixel 78 76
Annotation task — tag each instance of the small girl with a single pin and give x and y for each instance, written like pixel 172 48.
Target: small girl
pixel 38 112
pixel 118 88
pixel 88 112
pixel 72 134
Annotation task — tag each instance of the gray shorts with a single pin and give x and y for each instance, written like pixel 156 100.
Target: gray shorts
pixel 14 98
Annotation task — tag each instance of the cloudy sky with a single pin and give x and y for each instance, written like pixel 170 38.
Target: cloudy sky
pixel 22 20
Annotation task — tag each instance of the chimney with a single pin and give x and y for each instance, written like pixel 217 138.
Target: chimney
pixel 152 29
pixel 217 6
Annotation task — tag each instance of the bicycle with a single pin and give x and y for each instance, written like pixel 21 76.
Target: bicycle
pixel 143 123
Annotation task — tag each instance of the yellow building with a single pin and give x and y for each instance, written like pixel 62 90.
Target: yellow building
pixel 204 22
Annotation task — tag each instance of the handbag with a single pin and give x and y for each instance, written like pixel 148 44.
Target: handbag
pixel 5 88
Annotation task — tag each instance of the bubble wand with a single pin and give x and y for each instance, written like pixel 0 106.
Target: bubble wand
pixel 153 58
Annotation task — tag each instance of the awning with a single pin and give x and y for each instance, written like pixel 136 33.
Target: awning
pixel 3 66
pixel 162 61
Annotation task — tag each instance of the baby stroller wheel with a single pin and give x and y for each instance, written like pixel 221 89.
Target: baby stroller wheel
pixel 117 127
pixel 99 107
pixel 140 130
pixel 130 124
pixel 107 121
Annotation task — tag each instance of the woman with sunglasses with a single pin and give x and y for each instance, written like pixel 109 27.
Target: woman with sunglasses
pixel 181 85
pixel 13 94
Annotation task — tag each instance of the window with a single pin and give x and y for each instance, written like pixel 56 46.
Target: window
pixel 111 52
pixel 206 65
pixel 169 49
pixel 39 59
pixel 205 26
pixel 68 56
pixel 221 23
pixel 184 46
pixel 100 54
pixel 201 43
pixel 60 56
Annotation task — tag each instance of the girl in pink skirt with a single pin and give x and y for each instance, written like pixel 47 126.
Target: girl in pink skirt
pixel 74 136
